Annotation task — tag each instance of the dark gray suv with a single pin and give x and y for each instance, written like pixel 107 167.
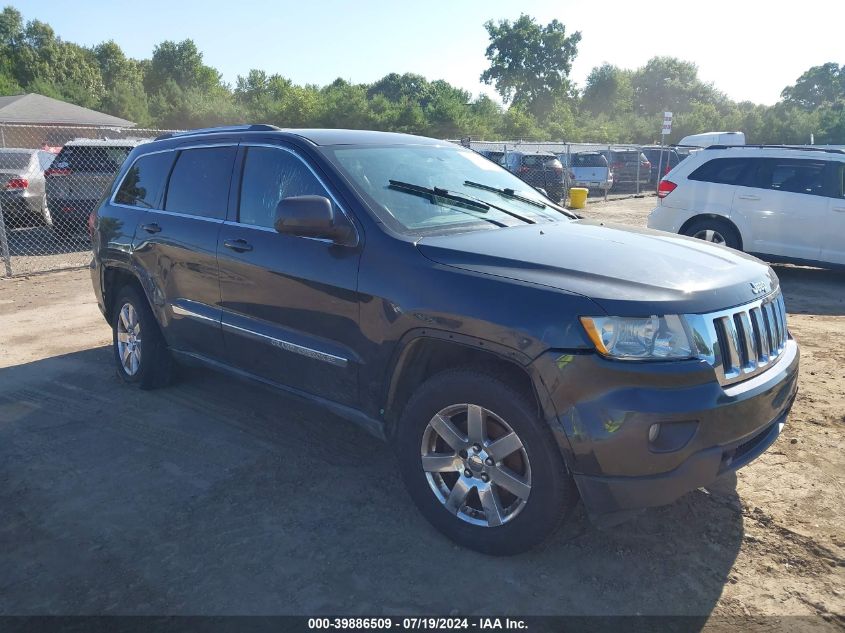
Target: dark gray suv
pixel 516 357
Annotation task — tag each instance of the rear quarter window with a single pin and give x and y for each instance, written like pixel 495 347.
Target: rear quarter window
pixel 724 171
pixel 143 183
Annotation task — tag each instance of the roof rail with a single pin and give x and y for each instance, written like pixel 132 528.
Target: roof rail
pixel 255 127
pixel 800 148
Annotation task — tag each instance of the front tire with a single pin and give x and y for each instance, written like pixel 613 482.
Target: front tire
pixel 480 464
pixel 140 353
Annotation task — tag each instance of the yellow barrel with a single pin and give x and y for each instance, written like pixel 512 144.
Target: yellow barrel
pixel 578 197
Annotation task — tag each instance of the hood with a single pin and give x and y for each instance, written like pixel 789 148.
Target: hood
pixel 626 271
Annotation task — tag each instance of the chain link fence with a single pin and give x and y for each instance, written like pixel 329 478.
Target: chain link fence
pixel 606 170
pixel 51 179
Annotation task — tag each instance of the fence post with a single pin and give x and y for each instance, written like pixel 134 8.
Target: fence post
pixel 638 169
pixel 4 244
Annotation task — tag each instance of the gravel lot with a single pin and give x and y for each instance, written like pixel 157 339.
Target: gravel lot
pixel 213 497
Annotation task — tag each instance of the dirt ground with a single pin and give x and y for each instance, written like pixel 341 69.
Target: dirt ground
pixel 213 497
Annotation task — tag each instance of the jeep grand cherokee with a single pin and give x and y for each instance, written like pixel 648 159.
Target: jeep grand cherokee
pixel 515 357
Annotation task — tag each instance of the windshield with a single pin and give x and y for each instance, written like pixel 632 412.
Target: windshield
pixel 508 200
pixel 14 160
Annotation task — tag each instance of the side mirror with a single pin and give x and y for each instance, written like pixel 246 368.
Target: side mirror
pixel 312 216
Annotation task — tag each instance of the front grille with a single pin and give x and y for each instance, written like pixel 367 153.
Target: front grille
pixel 742 342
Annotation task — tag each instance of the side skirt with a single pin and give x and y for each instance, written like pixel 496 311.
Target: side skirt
pixel 372 425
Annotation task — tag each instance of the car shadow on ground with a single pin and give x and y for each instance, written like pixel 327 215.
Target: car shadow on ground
pixel 812 290
pixel 218 497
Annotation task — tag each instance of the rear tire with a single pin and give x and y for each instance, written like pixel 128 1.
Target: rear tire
pixel 140 353
pixel 715 231
pixel 527 492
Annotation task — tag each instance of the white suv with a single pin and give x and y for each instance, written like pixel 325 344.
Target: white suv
pixel 779 203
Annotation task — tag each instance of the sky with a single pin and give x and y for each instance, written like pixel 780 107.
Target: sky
pixel 749 49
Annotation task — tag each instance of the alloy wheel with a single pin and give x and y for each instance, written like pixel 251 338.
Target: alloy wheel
pixel 129 339
pixel 710 235
pixel 476 465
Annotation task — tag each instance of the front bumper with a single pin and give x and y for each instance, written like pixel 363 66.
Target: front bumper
pixel 605 409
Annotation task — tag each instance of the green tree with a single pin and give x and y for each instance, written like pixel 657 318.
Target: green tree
pixel 123 79
pixel 820 85
pixel 668 83
pixel 182 64
pixel 608 90
pixel 530 63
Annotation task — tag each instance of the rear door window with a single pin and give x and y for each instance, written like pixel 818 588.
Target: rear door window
pixel 144 181
pixel 792 176
pixel 199 183
pixel 724 171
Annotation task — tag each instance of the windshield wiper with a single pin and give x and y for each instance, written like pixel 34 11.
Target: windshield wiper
pixel 432 193
pixel 507 193
pixel 436 192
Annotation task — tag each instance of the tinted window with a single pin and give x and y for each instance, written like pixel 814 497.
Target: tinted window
pixel 199 184
pixel 14 160
pixel 143 182
pixel 538 160
pixel 589 160
pixel 84 158
pixel 725 171
pixel 794 176
pixel 270 175
pixel 839 184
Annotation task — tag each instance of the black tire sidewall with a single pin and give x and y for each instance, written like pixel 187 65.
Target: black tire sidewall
pixel 552 490
pixel 721 226
pixel 150 338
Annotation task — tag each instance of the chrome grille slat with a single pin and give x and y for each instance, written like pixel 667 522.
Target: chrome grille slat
pixel 730 356
pixel 744 341
pixel 760 333
pixel 749 345
pixel 782 318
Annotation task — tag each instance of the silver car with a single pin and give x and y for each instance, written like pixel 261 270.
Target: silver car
pixel 588 170
pixel 22 186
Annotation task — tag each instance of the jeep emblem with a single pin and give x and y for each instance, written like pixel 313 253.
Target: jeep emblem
pixel 758 286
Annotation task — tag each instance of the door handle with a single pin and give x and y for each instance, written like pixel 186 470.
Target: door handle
pixel 239 246
pixel 151 228
pixel 840 209
pixel 748 197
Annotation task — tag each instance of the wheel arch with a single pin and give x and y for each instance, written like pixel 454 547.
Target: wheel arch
pixel 713 216
pixel 425 353
pixel 115 278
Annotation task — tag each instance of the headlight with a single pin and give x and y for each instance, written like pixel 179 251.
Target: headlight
pixel 636 338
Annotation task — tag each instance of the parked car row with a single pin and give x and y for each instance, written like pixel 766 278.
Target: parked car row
pixel 42 188
pixel 600 171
